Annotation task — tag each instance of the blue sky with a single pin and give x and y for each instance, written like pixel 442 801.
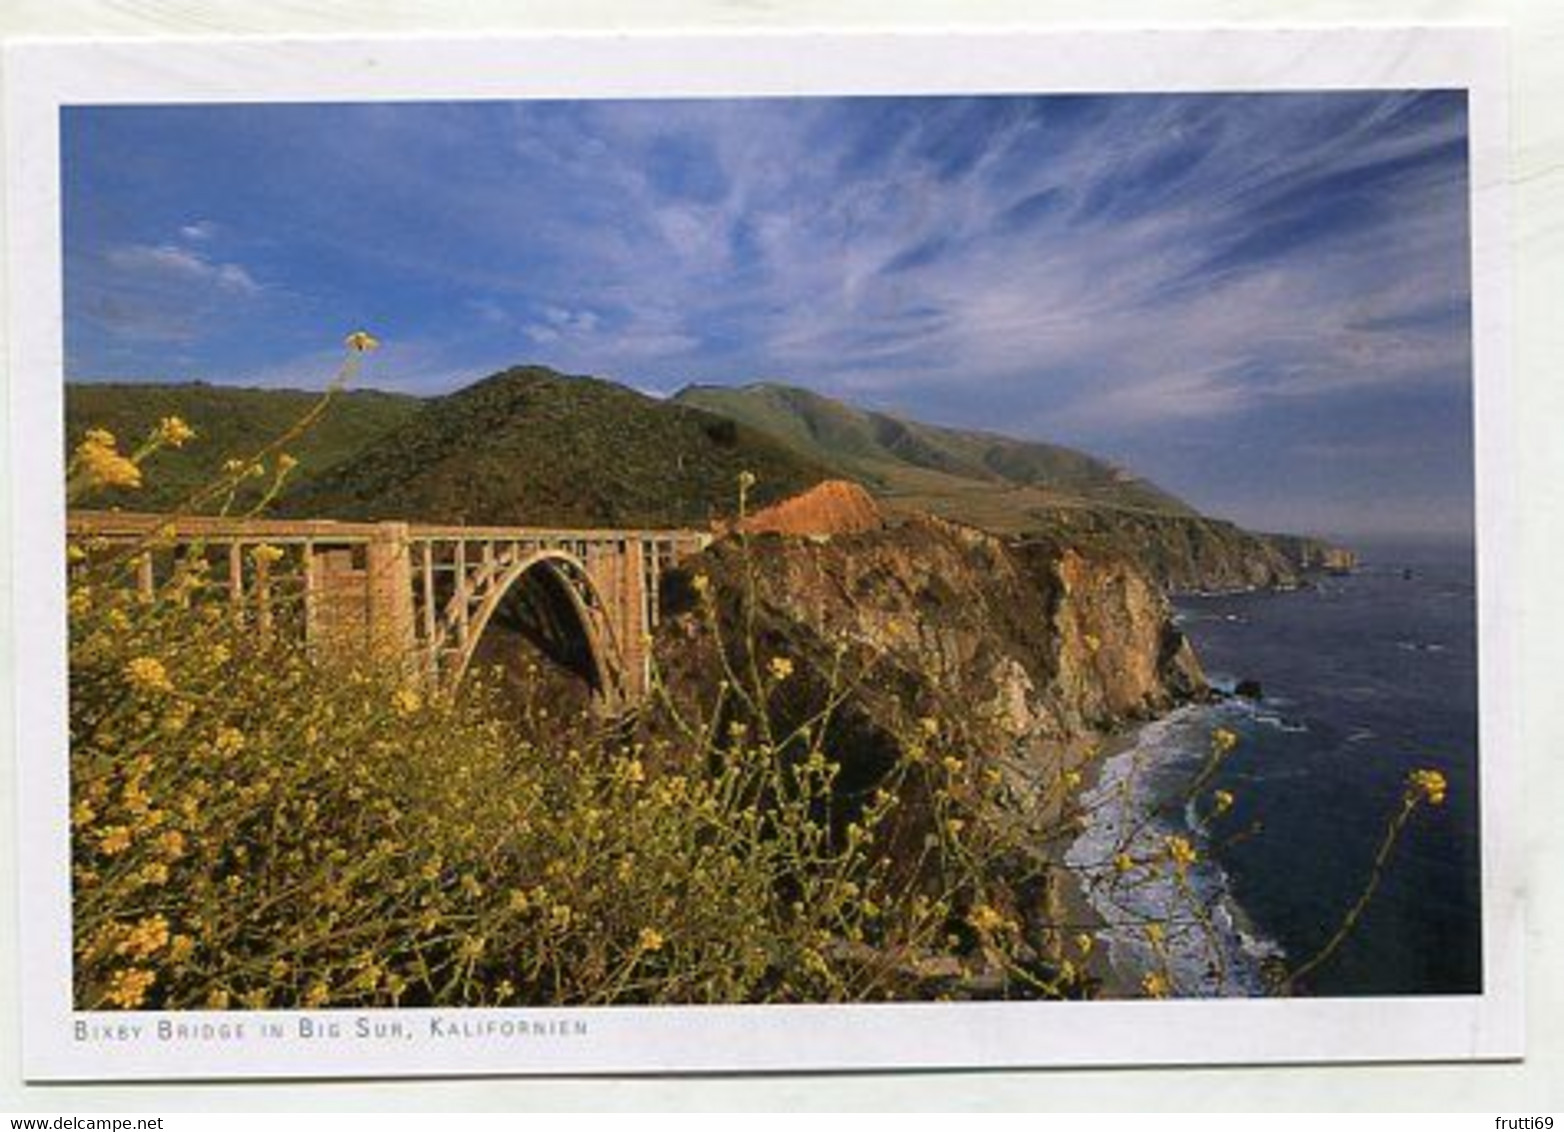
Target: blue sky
pixel 1259 301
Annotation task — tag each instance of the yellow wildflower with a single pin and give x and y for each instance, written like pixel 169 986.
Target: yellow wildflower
pixel 286 464
pixel 781 668
pixel 701 584
pixel 1084 942
pixel 1155 985
pixel 930 726
pixel 986 919
pixel 100 460
pixel 149 935
pixel 173 431
pixel 317 995
pixel 172 844
pixel 1154 934
pixel 82 814
pixel 128 988
pixel 1123 863
pixel 265 554
pixel 406 701
pixel 361 342
pixel 650 940
pixel 1222 801
pixel 1224 740
pixel 181 948
pixel 746 480
pixel 1428 785
pixel 147 674
pixel 229 741
pixel 114 840
pixel 217 1000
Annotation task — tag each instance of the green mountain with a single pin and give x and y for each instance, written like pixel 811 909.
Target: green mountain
pixel 530 446
pixel 230 423
pixel 988 480
pixel 1021 489
pixel 533 447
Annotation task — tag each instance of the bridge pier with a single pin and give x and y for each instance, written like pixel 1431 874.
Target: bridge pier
pixel 389 565
pixel 361 596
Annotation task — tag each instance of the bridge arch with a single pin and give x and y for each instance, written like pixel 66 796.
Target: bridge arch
pixel 571 580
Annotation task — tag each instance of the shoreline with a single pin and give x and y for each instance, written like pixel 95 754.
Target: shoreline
pixel 1075 911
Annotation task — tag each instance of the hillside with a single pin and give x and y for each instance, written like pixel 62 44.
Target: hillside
pixel 230 423
pixel 983 478
pixel 532 446
pixel 1022 489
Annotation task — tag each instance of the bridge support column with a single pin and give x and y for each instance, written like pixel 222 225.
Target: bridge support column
pixel 361 597
pixel 633 626
pixel 388 583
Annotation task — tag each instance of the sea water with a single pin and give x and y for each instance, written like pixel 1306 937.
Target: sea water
pixel 1364 678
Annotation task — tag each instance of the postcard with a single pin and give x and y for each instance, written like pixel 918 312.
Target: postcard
pixel 761 552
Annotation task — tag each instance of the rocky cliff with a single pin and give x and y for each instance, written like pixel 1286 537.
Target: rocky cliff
pixel 1008 647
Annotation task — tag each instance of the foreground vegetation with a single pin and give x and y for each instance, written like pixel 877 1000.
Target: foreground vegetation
pixel 256 826
pixel 251 827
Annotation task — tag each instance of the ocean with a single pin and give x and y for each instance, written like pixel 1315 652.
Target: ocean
pixel 1364 678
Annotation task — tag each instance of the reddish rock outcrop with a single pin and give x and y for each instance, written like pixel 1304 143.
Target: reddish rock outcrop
pixel 835 507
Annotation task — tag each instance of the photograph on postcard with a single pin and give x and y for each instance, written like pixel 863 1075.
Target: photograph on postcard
pixel 770 550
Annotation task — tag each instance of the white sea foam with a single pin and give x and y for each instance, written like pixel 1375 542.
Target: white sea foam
pixel 1209 946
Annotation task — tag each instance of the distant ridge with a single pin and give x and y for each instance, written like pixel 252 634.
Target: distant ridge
pixel 531 446
pixel 1021 489
pixel 990 480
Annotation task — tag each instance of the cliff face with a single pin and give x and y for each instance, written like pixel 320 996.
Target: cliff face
pixel 1006 647
pixel 1190 553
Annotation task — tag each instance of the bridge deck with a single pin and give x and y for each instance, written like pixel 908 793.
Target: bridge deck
pixel 137 524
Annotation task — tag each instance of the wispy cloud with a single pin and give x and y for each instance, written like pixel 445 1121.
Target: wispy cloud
pixel 1096 269
pixel 166 265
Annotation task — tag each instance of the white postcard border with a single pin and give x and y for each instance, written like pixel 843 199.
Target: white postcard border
pixel 42 77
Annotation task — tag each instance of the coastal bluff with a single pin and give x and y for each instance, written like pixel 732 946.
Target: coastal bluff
pixel 1008 646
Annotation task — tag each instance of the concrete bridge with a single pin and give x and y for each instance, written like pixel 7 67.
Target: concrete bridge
pixel 425 593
